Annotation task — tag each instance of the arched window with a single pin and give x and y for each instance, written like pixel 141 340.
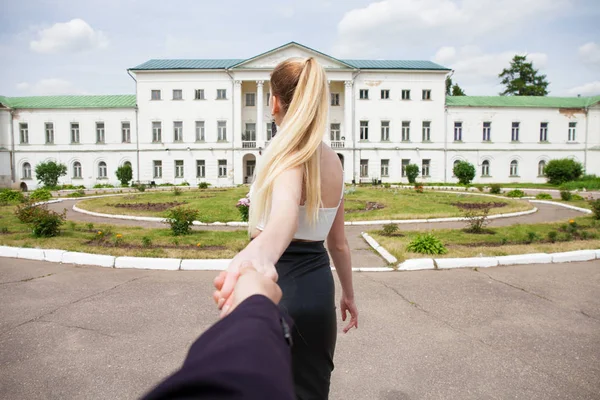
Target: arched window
pixel 514 168
pixel 26 171
pixel 76 169
pixel 485 168
pixel 102 173
pixel 541 167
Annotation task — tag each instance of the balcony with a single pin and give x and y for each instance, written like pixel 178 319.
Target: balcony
pixel 337 144
pixel 248 144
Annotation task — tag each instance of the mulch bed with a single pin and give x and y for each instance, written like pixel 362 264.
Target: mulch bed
pixel 148 206
pixel 478 206
pixel 370 206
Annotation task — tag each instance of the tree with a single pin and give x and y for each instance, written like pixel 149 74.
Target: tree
pixel 452 89
pixel 49 172
pixel 562 170
pixel 464 171
pixel 521 79
pixel 124 174
pixel 412 171
pixel 448 85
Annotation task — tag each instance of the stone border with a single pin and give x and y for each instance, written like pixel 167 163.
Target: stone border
pixel 580 209
pixel 379 249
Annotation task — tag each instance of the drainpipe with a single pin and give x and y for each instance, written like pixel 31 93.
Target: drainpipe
pixel 232 130
pixel 137 131
pixel 12 147
pixel 354 76
pixel 445 143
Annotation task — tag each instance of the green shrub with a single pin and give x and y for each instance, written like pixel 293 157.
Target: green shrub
pixel 477 218
pixel 71 187
pixel 146 241
pixel 532 237
pixel 562 170
pixel 103 186
pixel 141 187
pixel 387 185
pixel 375 182
pixel 44 222
pixel 389 229
pixel 543 196
pixel 576 197
pixel 184 183
pixel 464 171
pixel 166 184
pixel 176 191
pixel 181 219
pixel 495 188
pixel 552 236
pixel 79 193
pixel 8 196
pixel 595 204
pixel 124 174
pixel 49 172
pixel 41 194
pixel 412 172
pixel 203 185
pixel 516 193
pixel 426 244
pixel 566 195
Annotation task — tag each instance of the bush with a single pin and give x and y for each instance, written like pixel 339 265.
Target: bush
pixel 389 229
pixel 166 184
pixel 532 237
pixel 418 188
pixel 103 186
pixel 495 188
pixel 203 185
pixel 184 183
pixel 141 187
pixel 49 172
pixel 426 244
pixel 464 171
pixel 79 193
pixel 181 219
pixel 562 170
pixel 124 174
pixel 552 236
pixel 146 241
pixel 412 171
pixel 243 206
pixel 595 204
pixel 477 218
pixel 11 196
pixel 387 185
pixel 45 223
pixel 516 193
pixel 71 187
pixel 566 195
pixel 41 194
pixel 576 197
pixel 176 191
pixel 543 196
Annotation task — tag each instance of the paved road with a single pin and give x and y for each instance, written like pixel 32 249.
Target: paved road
pixel 528 332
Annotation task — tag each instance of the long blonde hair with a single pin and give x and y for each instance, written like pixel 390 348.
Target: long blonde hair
pixel 301 87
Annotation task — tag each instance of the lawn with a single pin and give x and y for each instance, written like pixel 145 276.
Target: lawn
pixel 159 243
pixel 361 204
pixel 501 241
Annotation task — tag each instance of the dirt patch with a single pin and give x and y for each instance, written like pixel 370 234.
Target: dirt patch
pixel 478 206
pixel 148 206
pixel 370 206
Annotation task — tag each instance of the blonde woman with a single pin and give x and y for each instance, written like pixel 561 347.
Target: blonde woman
pixel 297 204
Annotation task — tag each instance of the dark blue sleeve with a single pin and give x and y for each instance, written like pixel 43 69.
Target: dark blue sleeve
pixel 243 356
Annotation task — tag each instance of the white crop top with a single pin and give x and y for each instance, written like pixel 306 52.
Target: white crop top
pixel 317 231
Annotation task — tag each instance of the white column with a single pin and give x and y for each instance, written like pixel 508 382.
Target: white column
pixel 237 112
pixel 260 139
pixel 348 107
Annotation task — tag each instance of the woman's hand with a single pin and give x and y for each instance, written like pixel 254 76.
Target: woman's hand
pixel 347 305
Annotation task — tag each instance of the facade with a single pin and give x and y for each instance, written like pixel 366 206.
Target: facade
pixel 209 121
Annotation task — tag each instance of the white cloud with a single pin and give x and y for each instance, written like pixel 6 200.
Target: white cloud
pixel 590 53
pixel 69 37
pixel 390 22
pixel 588 89
pixel 44 87
pixel 287 11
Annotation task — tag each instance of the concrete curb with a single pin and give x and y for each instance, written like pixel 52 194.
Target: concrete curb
pixel 583 210
pixel 390 259
pixel 170 264
pixel 416 264
pixel 98 260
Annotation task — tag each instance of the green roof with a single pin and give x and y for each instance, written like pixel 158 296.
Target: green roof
pixel 103 101
pixel 521 101
pixel 396 64
pixel 187 64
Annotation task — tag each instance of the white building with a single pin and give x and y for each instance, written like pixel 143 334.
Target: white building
pixel 208 121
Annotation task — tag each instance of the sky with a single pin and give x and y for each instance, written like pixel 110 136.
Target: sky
pixel 53 47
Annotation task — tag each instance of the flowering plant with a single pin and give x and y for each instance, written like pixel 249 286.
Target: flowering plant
pixel 243 205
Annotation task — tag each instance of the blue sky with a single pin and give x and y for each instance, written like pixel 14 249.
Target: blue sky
pixel 85 47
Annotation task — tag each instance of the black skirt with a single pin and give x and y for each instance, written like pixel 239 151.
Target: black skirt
pixel 309 298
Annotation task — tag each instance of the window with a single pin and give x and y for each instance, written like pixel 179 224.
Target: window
pixel 250 99
pixel 458 131
pixel 24 133
pixel 199 94
pixel 222 131
pixel 541 167
pixel 515 132
pixel 49 133
pixel 335 133
pixel 125 132
pixel 487 131
pixel 385 167
pixel 425 164
pixel 572 128
pixel 157 167
pixel 200 131
pixel 222 168
pixel 426 131
pixel 426 94
pixel 485 168
pixel 269 131
pixel 178 131
pixel 26 171
pixel 405 163
pixel 364 94
pixel 385 131
pixel 200 169
pixel 385 94
pixel 405 94
pixel 268 99
pixel 249 134
pixel 406 131
pixel 155 95
pixel 364 168
pixel 102 172
pixel 514 168
pixel 156 132
pixel 364 130
pixel 100 138
pixel 76 170
pixel 543 132
pixel 177 94
pixel 178 168
pixel 221 94
pixel 335 99
pixel 74 132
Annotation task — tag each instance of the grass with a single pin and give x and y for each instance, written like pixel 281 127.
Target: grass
pixel 503 185
pixel 219 204
pixel 498 241
pixel 79 237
